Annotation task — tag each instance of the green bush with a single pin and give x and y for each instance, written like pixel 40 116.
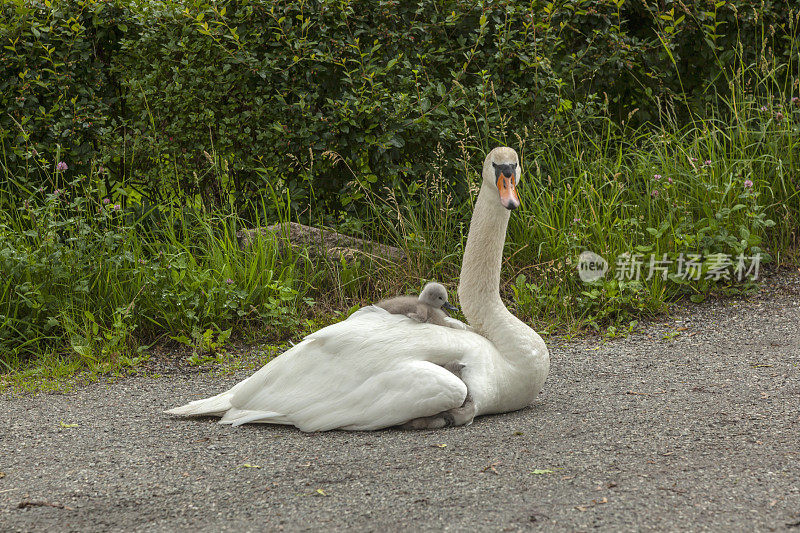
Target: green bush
pixel 57 91
pixel 276 85
pixel 670 56
pixel 226 98
pixel 81 274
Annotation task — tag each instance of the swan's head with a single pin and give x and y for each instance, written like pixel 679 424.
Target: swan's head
pixel 502 171
pixel 435 295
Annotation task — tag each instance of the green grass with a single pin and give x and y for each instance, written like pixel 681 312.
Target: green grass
pixel 719 186
pixel 83 276
pixel 87 288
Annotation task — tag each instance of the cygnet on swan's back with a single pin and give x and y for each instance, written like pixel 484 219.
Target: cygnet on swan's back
pixel 427 308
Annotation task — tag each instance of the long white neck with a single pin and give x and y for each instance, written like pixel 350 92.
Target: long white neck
pixel 510 376
pixel 479 285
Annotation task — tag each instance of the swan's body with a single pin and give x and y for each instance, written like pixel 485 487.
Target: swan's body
pixel 378 369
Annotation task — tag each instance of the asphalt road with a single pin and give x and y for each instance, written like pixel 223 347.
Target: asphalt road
pixel 691 424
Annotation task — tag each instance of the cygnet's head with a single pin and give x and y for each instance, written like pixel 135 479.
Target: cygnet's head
pixel 502 170
pixel 435 295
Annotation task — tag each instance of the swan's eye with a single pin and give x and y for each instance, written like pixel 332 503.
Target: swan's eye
pixel 507 170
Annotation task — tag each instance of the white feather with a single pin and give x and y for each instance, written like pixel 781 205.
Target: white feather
pixel 373 370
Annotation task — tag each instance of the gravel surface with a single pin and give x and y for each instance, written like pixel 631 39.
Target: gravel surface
pixel 691 424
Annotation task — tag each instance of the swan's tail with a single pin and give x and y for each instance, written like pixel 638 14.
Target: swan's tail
pixel 237 417
pixel 215 406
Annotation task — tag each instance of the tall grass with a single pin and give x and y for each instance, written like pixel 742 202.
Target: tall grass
pixel 724 186
pixel 85 276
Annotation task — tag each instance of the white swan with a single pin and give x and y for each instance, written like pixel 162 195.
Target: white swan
pixel 378 369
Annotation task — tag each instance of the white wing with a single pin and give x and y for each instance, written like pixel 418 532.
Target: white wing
pixel 456 324
pixel 373 370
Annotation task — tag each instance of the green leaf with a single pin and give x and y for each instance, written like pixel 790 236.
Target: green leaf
pixel 83 350
pixel 542 471
pixel 183 339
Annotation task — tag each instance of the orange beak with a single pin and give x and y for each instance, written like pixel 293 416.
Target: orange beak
pixel 508 192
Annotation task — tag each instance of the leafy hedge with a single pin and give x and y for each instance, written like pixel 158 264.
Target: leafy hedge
pixel 229 98
pixel 57 91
